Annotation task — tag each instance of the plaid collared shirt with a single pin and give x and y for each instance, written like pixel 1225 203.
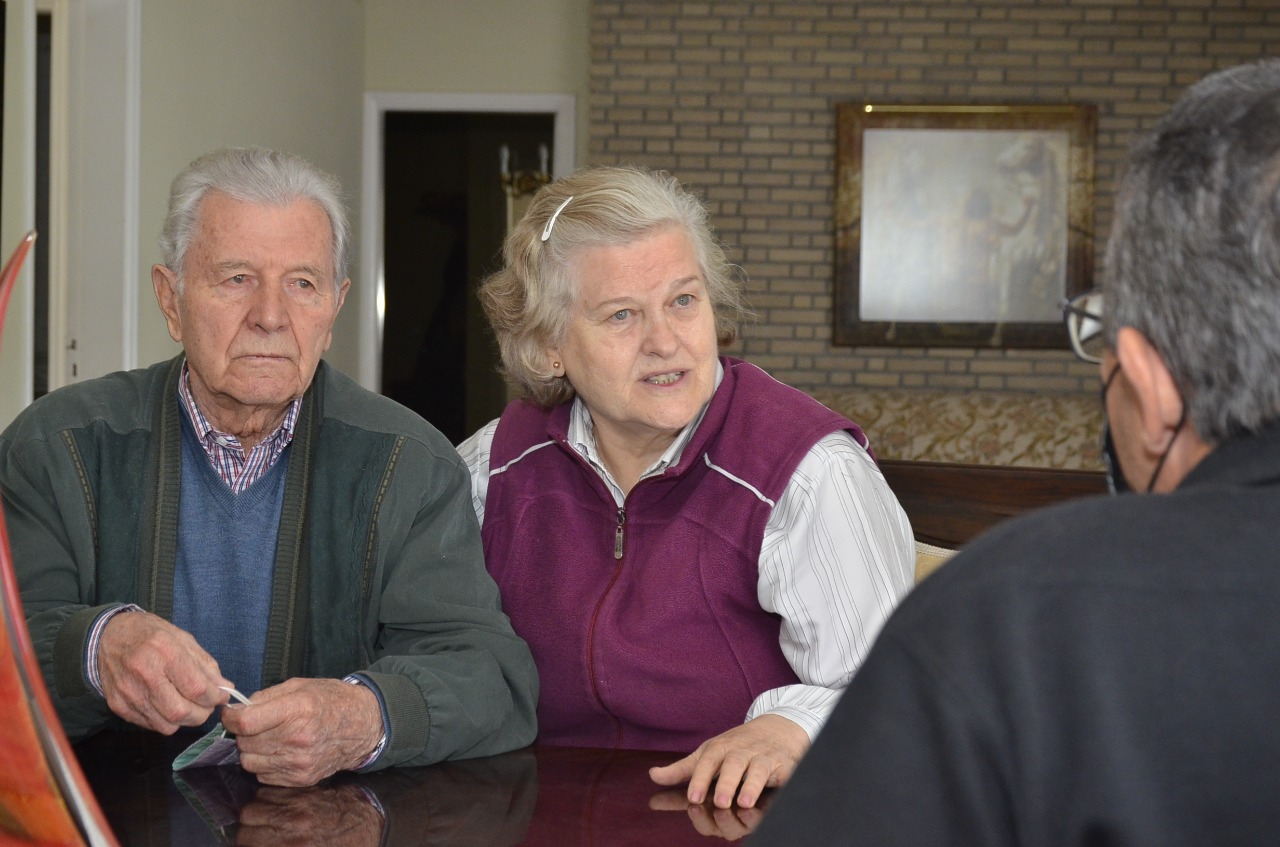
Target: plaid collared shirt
pixel 237 470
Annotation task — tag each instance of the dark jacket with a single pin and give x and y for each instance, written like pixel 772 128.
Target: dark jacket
pixel 1106 672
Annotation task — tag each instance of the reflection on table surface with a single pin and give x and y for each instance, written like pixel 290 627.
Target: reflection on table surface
pixel 536 796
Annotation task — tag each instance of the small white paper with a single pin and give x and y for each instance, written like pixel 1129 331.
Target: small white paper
pixel 235 695
pixel 215 747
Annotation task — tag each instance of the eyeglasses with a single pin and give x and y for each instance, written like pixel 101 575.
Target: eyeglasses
pixel 1083 316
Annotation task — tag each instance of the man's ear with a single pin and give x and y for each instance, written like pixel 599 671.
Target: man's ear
pixel 1160 405
pixel 337 307
pixel 165 284
pixel 342 295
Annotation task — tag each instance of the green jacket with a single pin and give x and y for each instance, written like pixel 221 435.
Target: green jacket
pixel 378 568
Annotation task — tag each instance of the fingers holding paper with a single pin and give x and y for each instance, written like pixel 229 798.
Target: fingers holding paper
pixel 155 675
pixel 303 730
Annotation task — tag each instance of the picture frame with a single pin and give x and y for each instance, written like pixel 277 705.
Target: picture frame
pixel 961 225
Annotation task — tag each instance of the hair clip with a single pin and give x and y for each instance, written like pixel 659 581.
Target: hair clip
pixel 546 231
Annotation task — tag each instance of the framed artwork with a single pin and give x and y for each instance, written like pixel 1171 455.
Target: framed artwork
pixel 961 226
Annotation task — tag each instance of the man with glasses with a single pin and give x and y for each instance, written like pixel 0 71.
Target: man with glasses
pixel 1108 671
pixel 1085 328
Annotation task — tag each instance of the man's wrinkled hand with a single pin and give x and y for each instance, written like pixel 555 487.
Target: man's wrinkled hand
pixel 762 753
pixel 336 816
pixel 156 675
pixel 304 730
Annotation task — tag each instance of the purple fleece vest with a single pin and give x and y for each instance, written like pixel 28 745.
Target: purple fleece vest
pixel 667 645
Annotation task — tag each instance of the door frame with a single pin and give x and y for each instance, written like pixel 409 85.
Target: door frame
pixel 97 246
pixel 372 302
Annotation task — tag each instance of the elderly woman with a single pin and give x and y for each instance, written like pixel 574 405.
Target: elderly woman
pixel 698 555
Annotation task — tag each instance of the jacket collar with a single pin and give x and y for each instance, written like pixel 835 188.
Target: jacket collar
pixel 1248 460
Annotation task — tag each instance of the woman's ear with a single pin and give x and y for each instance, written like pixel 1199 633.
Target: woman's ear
pixel 1160 406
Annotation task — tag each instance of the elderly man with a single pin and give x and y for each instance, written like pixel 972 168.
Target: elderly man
pixel 244 515
pixel 1108 671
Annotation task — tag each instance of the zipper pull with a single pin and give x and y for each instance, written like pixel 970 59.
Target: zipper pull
pixel 617 538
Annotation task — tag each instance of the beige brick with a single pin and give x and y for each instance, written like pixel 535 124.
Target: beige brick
pixel 952 381
pixel 1042 384
pixel 1000 366
pixel 930 365
pixel 799 347
pixel 876 380
pixel 990 383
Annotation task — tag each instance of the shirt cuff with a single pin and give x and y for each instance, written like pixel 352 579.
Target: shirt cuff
pixel 806 705
pixel 91 673
pixel 372 758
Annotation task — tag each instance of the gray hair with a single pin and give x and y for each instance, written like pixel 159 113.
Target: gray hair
pixel 528 302
pixel 1193 261
pixel 251 175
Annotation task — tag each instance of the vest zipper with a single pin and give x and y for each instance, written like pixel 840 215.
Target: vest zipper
pixel 591 629
pixel 617 538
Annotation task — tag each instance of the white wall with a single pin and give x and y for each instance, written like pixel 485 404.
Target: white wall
pixel 494 46
pixel 285 74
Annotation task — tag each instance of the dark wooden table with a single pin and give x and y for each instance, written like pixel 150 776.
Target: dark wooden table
pixel 546 796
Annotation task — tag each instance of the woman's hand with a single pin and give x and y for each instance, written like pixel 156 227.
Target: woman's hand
pixel 760 754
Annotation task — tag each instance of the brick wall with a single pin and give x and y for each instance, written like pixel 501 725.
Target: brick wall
pixel 737 99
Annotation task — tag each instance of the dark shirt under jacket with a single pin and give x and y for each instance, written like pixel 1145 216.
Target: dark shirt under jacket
pixel 1103 672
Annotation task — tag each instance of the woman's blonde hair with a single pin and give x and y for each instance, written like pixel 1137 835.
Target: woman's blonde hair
pixel 528 302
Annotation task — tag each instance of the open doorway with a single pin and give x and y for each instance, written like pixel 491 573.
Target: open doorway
pixel 40 260
pixel 432 181
pixel 444 219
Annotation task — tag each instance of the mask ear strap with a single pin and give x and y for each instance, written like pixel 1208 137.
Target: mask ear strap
pixel 1182 419
pixel 1116 483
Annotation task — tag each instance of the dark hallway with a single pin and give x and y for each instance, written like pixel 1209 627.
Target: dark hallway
pixel 444 218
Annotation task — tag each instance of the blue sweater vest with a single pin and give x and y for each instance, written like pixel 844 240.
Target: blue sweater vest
pixel 226 557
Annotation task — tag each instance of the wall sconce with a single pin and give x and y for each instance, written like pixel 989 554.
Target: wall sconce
pixel 523 182
pixel 521 185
